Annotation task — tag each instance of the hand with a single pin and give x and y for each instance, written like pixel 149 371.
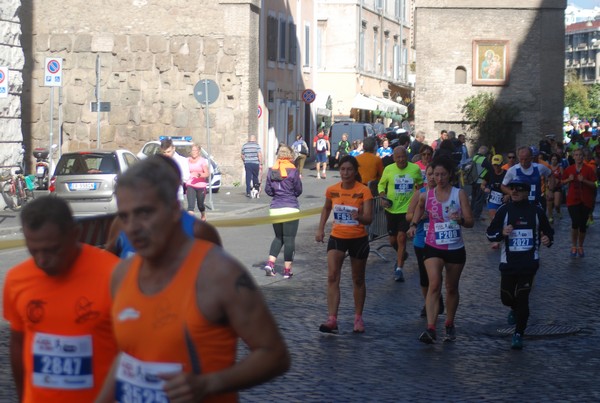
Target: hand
pixel 545 240
pixel 505 198
pixel 571 178
pixel 385 202
pixel 580 178
pixel 320 236
pixel 486 190
pixel 411 232
pixel 507 230
pixel 184 387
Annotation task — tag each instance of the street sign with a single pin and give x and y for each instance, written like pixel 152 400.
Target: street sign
pixel 3 82
pixel 259 111
pixel 104 107
pixel 53 72
pixel 308 96
pixel 206 91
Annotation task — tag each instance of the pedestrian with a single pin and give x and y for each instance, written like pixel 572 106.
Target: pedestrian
pixel 370 166
pixel 301 149
pixel 58 305
pixel 343 148
pixel 426 156
pixel 443 136
pixel 419 239
pixel 554 188
pixel 253 160
pixel 529 171
pixel 492 187
pixel 357 148
pixel 448 210
pixel 464 151
pixel 581 180
pixel 482 166
pixel 192 297
pixel 398 183
pixel 385 150
pixel 350 202
pixel 197 182
pixel 520 227
pixel 511 160
pixel 167 148
pixel 284 186
pixel 415 146
pixel 322 146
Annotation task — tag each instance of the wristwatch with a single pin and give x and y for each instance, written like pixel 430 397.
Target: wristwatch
pixel 413 224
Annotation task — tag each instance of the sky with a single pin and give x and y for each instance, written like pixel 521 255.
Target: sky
pixel 585 3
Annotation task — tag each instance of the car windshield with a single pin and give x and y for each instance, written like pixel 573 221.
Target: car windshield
pixel 87 164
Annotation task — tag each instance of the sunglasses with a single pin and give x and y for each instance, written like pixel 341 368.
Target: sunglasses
pixel 519 188
pixel 426 153
pixel 510 156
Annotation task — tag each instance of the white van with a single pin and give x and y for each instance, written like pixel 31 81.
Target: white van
pixel 355 130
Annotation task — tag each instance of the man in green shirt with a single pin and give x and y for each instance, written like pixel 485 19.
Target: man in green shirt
pixel 398 183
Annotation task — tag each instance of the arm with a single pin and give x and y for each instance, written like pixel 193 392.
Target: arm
pixel 324 217
pixel 417 215
pixel 297 184
pixel 16 361
pixel 260 157
pixel 546 230
pixel 226 293
pixel 107 393
pixel 113 236
pixel 365 214
pixel 269 186
pixel 465 208
pixel 414 200
pixel 494 232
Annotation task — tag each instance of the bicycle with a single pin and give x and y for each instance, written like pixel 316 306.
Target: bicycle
pixel 16 190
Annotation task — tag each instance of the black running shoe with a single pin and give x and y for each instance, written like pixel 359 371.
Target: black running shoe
pixel 428 336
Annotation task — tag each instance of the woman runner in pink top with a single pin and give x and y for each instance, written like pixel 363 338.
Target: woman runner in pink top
pixel 196 184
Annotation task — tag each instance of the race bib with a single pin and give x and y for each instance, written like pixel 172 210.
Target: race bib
pixel 446 233
pixel 495 197
pixel 403 184
pixel 532 193
pixel 138 382
pixel 62 362
pixel 343 214
pixel 520 240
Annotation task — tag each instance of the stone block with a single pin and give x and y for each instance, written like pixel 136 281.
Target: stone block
pixel 35 113
pixel 83 43
pixel 163 62
pixel 118 116
pixel 208 65
pixel 10 34
pixel 82 133
pixel 227 64
pixel 104 42
pixel 211 47
pixel 85 60
pixel 138 43
pixel 181 118
pixel 157 44
pixel 151 113
pixel 230 45
pixel 130 98
pixel 186 63
pixel 77 95
pixel 144 61
pixel 120 44
pixel 150 80
pixel 134 82
pixel 195 45
pixel 123 62
pixel 135 115
pixel 71 113
pixel 60 43
pixel 41 42
pixel 166 115
pixel 178 44
pixel 115 80
pixel 12 57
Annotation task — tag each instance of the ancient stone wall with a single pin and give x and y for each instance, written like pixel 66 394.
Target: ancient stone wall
pixel 11 56
pixel 445 33
pixel 152 53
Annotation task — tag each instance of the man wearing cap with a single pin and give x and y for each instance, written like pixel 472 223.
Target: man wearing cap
pixel 547 145
pixel 529 172
pixel 520 227
pixel 483 166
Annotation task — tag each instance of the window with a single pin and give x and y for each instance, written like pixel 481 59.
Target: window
pixel 396 71
pixel 386 45
pixel 306 45
pixel 379 4
pixel 320 39
pixel 361 46
pixel 460 75
pixel 397 9
pixel 293 44
pixel 282 41
pixel 272 38
pixel 375 49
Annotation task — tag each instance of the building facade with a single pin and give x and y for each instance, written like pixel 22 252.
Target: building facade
pixel 364 52
pixel 454 41
pixel 582 51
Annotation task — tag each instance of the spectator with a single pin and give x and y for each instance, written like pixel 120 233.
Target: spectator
pixel 168 148
pixel 343 147
pixel 301 149
pixel 322 146
pixel 415 146
pixel 443 136
pixel 482 166
pixel 197 182
pixel 284 186
pixel 253 161
pixel 370 166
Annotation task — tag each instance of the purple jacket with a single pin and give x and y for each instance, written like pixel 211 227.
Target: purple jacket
pixel 284 192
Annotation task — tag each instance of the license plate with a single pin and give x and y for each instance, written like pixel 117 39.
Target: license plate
pixel 82 186
pixel 40 170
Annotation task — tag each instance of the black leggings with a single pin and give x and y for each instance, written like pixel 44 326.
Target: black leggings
pixel 423 278
pixel 285 235
pixel 579 215
pixel 514 292
pixel 195 195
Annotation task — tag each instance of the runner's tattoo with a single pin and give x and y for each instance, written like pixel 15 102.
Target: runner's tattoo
pixel 244 280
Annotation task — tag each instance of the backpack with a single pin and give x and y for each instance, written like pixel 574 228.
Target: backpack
pixel 473 170
pixel 321 144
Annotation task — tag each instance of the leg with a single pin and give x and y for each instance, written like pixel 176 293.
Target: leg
pixel 335 259
pixel 453 272
pixel 289 231
pixel 401 251
pixel 358 280
pixel 201 194
pixel 434 266
pixel 277 242
pixel 522 291
pixel 255 173
pixel 248 168
pixel 191 198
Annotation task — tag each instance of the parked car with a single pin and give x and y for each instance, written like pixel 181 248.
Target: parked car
pixel 355 130
pixel 183 146
pixel 87 179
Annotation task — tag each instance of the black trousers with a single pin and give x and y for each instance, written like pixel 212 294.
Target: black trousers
pixel 514 292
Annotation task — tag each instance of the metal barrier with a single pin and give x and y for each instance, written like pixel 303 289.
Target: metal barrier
pixel 378 227
pixel 95 229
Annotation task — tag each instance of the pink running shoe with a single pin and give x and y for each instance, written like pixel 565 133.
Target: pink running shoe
pixel 359 325
pixel 329 327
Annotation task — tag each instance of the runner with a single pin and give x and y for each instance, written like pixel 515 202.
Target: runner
pixel 580 198
pixel 520 227
pixel 397 185
pixel 492 185
pixel 58 306
pixel 351 204
pixel 554 188
pixel 448 210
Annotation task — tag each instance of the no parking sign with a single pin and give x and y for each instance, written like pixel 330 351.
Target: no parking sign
pixel 53 72
pixel 3 82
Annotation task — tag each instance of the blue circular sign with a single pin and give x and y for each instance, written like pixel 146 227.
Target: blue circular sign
pixel 308 96
pixel 2 76
pixel 53 66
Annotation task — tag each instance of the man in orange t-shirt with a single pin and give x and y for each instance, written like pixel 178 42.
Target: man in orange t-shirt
pixel 58 305
pixel 370 166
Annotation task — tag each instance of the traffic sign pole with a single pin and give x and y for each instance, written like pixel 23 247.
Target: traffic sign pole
pixel 210 200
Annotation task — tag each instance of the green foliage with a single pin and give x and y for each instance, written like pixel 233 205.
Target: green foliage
pixel 491 120
pixel 577 98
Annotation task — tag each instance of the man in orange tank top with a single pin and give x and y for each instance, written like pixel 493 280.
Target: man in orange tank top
pixel 58 305
pixel 181 304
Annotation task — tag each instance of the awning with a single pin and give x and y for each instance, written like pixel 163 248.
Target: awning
pixel 320 104
pixel 388 105
pixel 362 102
